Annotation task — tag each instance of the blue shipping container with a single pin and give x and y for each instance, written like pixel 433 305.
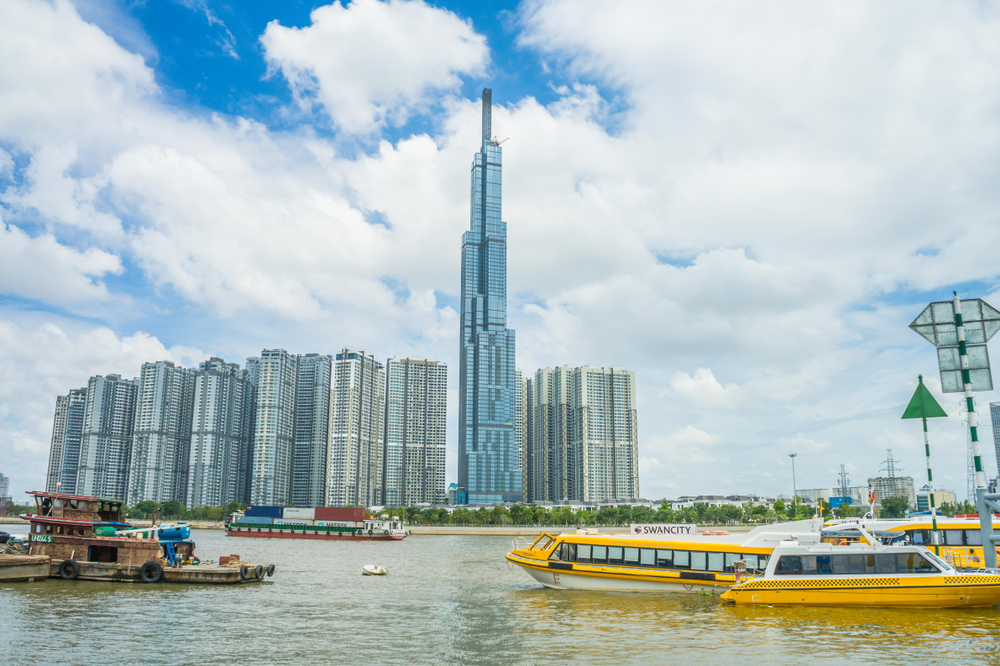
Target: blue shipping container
pixel 255 520
pixel 263 511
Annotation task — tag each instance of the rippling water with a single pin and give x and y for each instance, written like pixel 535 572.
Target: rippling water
pixel 446 600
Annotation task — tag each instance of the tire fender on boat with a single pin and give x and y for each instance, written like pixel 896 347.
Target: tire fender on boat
pixel 370 532
pixel 151 572
pixel 69 569
pixel 385 532
pixel 270 570
pixel 244 572
pixel 407 532
pixel 258 572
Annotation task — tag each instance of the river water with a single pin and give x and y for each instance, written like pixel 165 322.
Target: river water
pixel 446 600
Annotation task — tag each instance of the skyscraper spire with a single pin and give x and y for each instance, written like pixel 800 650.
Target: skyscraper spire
pixel 487 116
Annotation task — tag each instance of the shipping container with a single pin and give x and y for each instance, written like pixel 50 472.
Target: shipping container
pixel 338 523
pixel 255 520
pixel 301 514
pixel 291 521
pixel 263 511
pixel 339 513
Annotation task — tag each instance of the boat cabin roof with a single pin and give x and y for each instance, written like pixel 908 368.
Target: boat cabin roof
pixel 88 498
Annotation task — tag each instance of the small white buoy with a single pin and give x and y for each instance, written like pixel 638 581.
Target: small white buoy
pixel 373 570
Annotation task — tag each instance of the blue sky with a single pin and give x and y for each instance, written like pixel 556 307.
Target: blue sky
pixel 745 204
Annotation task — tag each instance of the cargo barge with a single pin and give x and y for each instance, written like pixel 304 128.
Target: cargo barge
pixel 85 538
pixel 328 523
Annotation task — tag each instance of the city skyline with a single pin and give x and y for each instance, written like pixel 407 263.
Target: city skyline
pixel 749 221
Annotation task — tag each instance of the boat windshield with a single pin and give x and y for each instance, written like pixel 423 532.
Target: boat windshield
pixel 937 560
pixel 867 563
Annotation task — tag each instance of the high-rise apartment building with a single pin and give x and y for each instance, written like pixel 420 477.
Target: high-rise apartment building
pixel 894 486
pixel 356 433
pixel 106 441
pixel 161 438
pixel 274 373
pixel 70 437
pixel 218 466
pixel 521 428
pixel 583 435
pixel 488 465
pixel 312 429
pixel 416 399
pixel 52 484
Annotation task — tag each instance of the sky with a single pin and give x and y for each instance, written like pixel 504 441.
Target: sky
pixel 744 203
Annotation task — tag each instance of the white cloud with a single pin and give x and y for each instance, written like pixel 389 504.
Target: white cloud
pixel 41 268
pixel 39 362
pixel 374 62
pixel 709 190
pixel 704 389
pixel 687 445
pixel 799 443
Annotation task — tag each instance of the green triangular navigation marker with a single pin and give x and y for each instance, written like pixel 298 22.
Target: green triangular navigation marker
pixel 922 404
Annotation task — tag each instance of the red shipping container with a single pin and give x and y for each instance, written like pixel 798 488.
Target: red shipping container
pixel 339 513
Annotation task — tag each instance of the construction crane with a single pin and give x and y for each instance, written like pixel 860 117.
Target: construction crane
pixel 497 141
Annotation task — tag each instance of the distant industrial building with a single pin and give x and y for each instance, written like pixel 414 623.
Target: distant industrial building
pixel 940 497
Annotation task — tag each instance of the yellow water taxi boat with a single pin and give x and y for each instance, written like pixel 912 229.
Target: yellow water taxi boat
pixel 696 563
pixel 806 572
pixel 961 539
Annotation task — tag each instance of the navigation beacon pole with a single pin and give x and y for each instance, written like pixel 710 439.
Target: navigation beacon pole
pixel 923 406
pixel 985 514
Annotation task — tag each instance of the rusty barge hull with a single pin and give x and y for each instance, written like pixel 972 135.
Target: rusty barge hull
pixel 299 534
pixel 23 568
pixel 207 574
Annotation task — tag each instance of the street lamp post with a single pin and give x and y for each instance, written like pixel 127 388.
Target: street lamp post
pixel 795 491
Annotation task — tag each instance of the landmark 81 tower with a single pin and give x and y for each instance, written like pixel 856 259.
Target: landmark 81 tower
pixel 488 460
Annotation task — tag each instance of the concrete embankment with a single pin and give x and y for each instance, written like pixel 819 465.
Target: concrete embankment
pixel 535 530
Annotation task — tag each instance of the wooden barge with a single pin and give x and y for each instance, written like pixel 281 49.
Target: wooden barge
pixel 23 568
pixel 85 538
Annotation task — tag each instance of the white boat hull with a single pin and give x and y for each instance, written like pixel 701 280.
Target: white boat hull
pixel 566 580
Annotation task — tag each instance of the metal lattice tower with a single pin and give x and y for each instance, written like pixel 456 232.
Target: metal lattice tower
pixel 890 468
pixel 845 482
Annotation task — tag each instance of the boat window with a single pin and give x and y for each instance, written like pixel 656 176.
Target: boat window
pixel 953 537
pixel 569 552
pixel 762 561
pixel 600 553
pixel 682 559
pixel 973 538
pixel 72 504
pixel 631 556
pixel 39 529
pixel 614 555
pixel 885 563
pixel 48 529
pixel 920 536
pixel 788 565
pixel 583 552
pixel 716 561
pixel 698 561
pixel 731 559
pixel 848 564
pixel 913 563
pixel 57 503
pixel 664 558
pixel 819 563
pixel 647 557
pixel 751 561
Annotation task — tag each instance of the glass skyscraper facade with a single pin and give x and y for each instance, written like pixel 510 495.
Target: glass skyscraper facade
pixel 488 458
